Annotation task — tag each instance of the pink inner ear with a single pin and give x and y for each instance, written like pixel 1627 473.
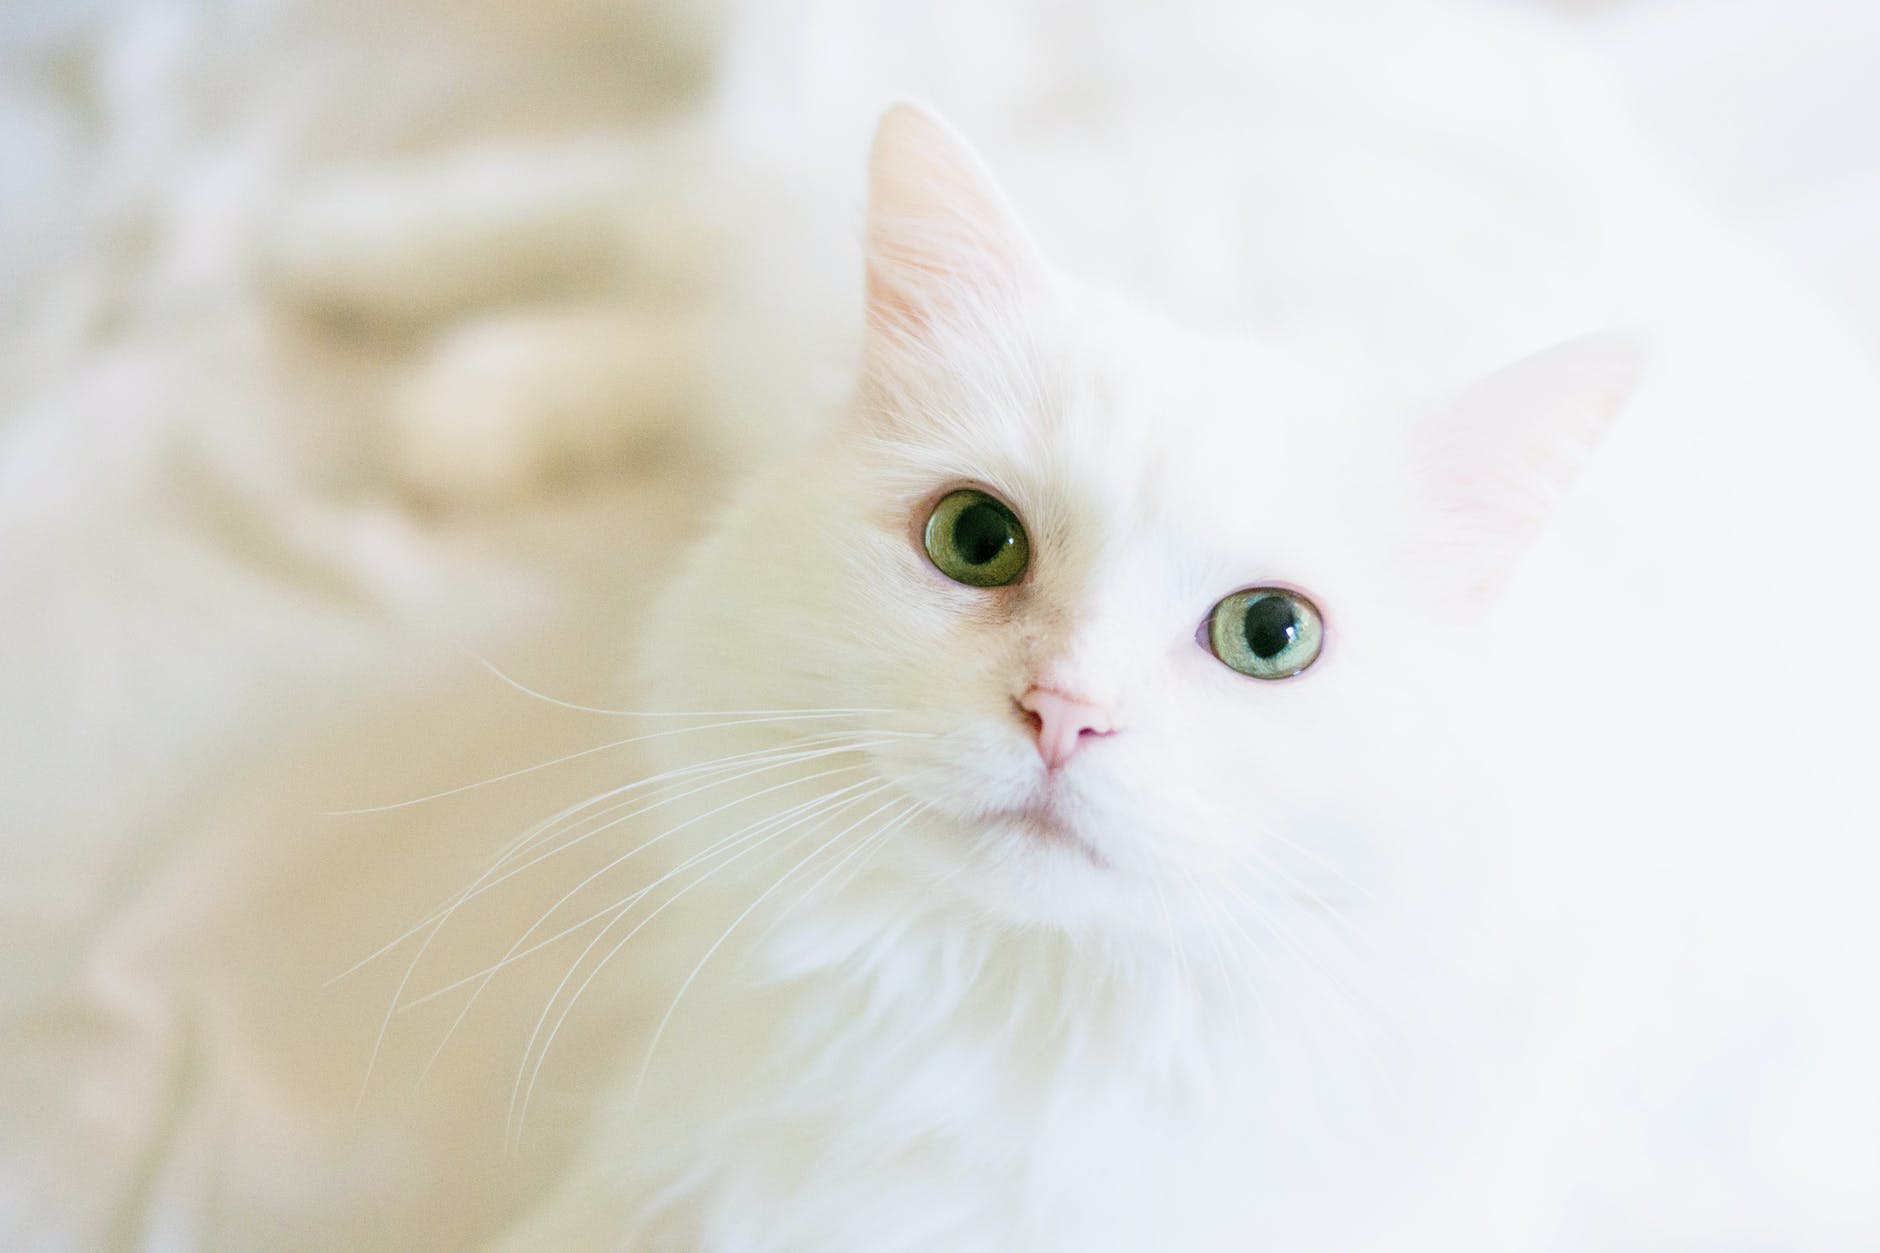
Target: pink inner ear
pixel 941 236
pixel 1497 459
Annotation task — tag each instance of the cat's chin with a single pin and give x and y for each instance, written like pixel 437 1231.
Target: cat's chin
pixel 1043 826
pixel 1032 867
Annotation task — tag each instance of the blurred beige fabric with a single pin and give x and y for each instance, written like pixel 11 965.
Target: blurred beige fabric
pixel 221 618
pixel 226 610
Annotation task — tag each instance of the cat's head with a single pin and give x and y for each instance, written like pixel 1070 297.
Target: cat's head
pixel 1119 612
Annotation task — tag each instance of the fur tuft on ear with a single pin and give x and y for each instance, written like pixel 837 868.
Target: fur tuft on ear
pixel 941 235
pixel 1495 460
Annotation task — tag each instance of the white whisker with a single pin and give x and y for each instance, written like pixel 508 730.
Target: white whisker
pixel 657 713
pixel 1175 950
pixel 519 1111
pixel 479 886
pixel 514 955
pixel 1351 929
pixel 618 909
pixel 541 829
pixel 1265 918
pixel 870 842
pixel 660 1030
pixel 1260 951
pixel 1211 918
pixel 588 752
pixel 759 764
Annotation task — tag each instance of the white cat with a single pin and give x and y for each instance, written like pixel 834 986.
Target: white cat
pixel 1149 851
pixel 1558 930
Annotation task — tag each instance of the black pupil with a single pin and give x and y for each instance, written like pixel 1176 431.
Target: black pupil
pixel 981 533
pixel 1271 626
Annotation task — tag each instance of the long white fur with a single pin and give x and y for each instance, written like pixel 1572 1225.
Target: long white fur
pixel 1363 959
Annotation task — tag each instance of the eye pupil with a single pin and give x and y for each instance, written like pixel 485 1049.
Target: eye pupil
pixel 1265 632
pixel 981 534
pixel 973 538
pixel 1271 626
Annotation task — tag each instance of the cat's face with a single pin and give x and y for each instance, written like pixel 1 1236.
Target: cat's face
pixel 1095 727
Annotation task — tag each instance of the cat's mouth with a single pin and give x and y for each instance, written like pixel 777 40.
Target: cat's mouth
pixel 1041 820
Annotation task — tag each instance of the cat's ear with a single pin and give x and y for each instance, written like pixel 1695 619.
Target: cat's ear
pixel 1494 460
pixel 941 237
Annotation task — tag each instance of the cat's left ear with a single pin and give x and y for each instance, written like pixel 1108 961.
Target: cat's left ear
pixel 1494 461
pixel 942 239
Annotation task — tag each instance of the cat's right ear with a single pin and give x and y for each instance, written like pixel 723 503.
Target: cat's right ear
pixel 942 239
pixel 1495 459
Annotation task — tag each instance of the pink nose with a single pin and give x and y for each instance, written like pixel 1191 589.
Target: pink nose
pixel 1060 723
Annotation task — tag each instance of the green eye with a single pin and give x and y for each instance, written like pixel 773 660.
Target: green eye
pixel 974 539
pixel 1266 632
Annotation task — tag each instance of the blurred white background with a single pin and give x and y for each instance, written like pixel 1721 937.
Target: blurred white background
pixel 1771 109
